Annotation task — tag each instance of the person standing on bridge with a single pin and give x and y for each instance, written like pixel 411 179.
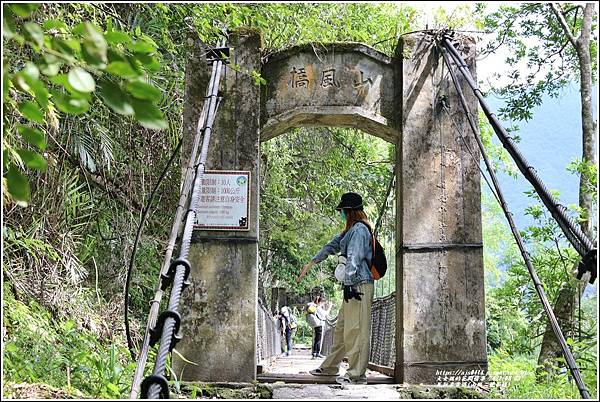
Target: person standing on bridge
pixel 315 318
pixel 288 324
pixel 352 334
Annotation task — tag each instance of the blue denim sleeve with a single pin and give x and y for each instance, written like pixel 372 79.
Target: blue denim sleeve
pixel 329 249
pixel 359 243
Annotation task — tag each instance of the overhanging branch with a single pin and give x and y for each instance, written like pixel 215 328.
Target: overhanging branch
pixel 563 24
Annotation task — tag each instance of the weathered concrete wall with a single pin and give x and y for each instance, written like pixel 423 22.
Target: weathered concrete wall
pixel 219 308
pixel 197 76
pixel 346 84
pixel 440 320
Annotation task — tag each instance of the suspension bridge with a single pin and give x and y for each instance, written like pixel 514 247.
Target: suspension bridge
pixel 424 100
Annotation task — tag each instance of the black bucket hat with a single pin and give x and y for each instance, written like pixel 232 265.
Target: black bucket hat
pixel 350 201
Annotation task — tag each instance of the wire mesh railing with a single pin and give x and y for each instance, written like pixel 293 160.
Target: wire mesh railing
pixel 383 334
pixel 383 331
pixel 268 336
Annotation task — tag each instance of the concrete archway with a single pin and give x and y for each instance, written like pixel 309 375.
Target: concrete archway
pixel 439 257
pixel 339 84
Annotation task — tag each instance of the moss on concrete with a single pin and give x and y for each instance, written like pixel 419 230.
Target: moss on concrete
pixel 437 392
pixel 38 391
pixel 201 390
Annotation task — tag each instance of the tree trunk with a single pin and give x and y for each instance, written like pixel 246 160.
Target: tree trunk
pixel 568 298
pixel 587 119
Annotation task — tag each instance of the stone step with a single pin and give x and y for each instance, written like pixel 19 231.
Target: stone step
pixel 375 392
pixel 282 390
pixel 311 379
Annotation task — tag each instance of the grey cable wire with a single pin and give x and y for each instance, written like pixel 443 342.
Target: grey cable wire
pixel 580 241
pixel 570 360
pixel 181 270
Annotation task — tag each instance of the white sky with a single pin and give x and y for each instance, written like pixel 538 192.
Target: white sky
pixel 492 63
pixel 485 67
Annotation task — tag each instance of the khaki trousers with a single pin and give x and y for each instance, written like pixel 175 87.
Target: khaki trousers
pixel 352 336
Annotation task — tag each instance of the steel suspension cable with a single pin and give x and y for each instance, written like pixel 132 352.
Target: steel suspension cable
pixel 379 285
pixel 384 204
pixel 573 232
pixel 570 360
pixel 168 324
pixel 138 236
pixel 175 229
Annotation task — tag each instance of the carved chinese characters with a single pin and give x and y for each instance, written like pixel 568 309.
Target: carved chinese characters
pixel 299 79
pixel 350 85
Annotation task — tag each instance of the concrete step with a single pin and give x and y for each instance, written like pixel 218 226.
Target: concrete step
pixel 280 390
pixel 287 377
pixel 375 392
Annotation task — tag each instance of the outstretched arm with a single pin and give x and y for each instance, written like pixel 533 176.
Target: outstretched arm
pixel 330 248
pixel 304 270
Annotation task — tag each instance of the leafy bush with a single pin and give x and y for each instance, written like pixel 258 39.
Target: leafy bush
pixel 516 322
pixel 522 384
pixel 39 349
pixel 69 70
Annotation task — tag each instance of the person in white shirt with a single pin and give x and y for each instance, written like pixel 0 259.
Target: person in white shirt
pixel 315 317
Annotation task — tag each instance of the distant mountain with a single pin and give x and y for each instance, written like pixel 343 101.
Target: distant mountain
pixel 549 141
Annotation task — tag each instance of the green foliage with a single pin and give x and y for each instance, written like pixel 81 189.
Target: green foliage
pixel 144 283
pixel 33 136
pixel 553 261
pixel 40 349
pixel 520 370
pixel 461 15
pixel 70 59
pixel 515 320
pixel 589 172
pixel 498 155
pixel 534 39
pixel 304 333
pixel 536 43
pixel 288 24
pixel 17 184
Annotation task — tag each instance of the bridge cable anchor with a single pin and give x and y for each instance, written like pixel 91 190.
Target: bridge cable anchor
pixel 167 279
pixel 218 54
pixel 588 264
pixel 155 380
pixel 156 332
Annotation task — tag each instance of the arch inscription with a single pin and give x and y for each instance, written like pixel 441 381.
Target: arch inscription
pixel 345 84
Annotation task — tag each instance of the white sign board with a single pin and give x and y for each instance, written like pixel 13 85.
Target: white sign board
pixel 224 200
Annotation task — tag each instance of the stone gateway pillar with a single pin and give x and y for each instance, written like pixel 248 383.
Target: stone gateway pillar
pixel 440 315
pixel 218 309
pixel 440 312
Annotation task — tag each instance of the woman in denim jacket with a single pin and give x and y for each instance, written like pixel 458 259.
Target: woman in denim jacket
pixel 352 334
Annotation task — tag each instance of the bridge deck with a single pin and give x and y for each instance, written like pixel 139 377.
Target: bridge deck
pixel 295 369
